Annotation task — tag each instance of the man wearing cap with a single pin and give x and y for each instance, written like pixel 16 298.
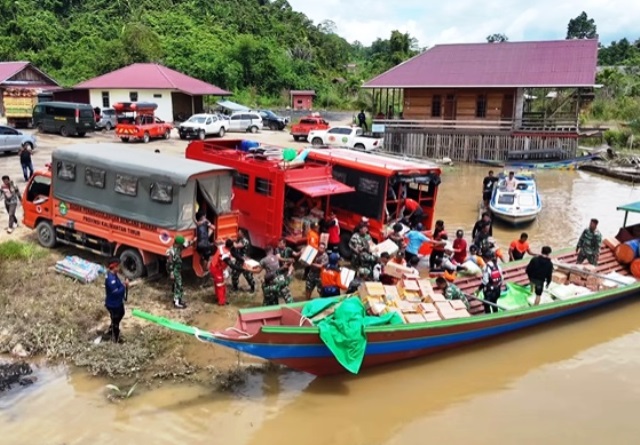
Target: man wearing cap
pixel 116 295
pixel 174 268
pixel 330 279
pixel 359 245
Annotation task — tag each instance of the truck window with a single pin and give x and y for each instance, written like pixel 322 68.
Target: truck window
pixel 126 185
pixel 263 186
pixel 241 181
pixel 368 186
pixel 39 187
pixel 66 171
pixel 94 177
pixel 161 192
pixel 86 113
pixel 307 122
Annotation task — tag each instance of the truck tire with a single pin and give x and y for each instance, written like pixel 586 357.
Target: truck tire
pixel 132 263
pixel 296 138
pixel 125 139
pixel 221 132
pixel 167 134
pixel 345 250
pixel 202 135
pixel 359 147
pixel 108 126
pixel 40 127
pixel 46 234
pixel 64 132
pixel 316 142
pixel 253 129
pixel 145 137
pixel 273 126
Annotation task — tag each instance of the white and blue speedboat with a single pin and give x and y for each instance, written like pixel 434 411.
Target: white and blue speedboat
pixel 517 204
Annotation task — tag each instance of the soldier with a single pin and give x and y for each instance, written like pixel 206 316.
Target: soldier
pixel 239 252
pixel 174 268
pixel 286 254
pixel 588 247
pixel 451 292
pixel 359 244
pixel 277 285
pixel 318 263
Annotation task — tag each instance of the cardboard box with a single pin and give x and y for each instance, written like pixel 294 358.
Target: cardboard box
pixel 405 306
pixel 411 285
pixel 414 318
pixel 324 238
pixel 397 270
pixel 560 277
pixel 435 298
pixel 392 300
pixel 346 276
pixel 449 315
pixel 378 309
pixel 458 305
pixel 426 289
pixel 611 243
pixel 577 279
pixel 413 297
pixel 444 306
pixel 427 308
pixel 462 313
pixel 308 254
pixel 371 288
pixel 386 246
pixel 391 290
pixel 432 316
pixel 251 264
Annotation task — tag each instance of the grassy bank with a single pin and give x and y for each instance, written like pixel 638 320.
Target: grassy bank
pixel 49 315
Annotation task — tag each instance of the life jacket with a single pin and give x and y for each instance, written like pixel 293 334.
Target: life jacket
pixel 450 276
pixel 495 276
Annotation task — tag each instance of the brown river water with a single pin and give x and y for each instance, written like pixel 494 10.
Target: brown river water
pixel 573 381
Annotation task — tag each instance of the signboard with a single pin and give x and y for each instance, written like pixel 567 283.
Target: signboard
pixel 377 128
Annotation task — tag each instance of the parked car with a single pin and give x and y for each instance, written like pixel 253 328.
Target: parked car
pixel 350 137
pixel 245 121
pixel 108 119
pixel 203 125
pixel 66 118
pixel 12 140
pixel 272 121
pixel 300 130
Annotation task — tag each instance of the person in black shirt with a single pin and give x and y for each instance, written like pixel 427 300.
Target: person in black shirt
pixel 25 162
pixel 539 271
pixel 362 121
pixel 204 230
pixel 487 187
pixel 485 220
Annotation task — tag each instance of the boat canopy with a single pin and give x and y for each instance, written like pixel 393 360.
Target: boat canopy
pixel 633 207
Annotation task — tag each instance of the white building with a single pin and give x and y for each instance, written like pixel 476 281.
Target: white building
pixel 176 94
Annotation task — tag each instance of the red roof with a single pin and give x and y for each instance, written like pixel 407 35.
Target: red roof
pixel 10 69
pixel 302 92
pixel 152 76
pixel 560 63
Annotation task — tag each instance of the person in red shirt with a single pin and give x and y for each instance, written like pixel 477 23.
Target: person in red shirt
pixel 219 262
pixel 439 234
pixel 519 247
pixel 333 229
pixel 459 247
pixel 413 211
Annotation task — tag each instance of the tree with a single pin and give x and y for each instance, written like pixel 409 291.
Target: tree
pixel 582 27
pixel 497 38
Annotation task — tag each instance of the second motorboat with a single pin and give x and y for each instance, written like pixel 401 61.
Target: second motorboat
pixel 516 201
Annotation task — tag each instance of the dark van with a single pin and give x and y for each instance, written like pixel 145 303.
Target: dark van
pixel 66 118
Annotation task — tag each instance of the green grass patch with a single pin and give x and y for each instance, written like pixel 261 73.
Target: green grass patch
pixel 19 251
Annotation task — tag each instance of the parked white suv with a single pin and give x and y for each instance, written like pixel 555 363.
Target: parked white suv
pixel 203 125
pixel 245 121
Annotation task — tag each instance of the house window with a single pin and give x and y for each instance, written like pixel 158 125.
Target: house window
pixel 299 102
pixel 126 185
pixel 161 192
pixel 105 99
pixel 481 106
pixel 94 177
pixel 241 181
pixel 66 171
pixel 263 186
pixel 157 96
pixel 133 96
pixel 436 106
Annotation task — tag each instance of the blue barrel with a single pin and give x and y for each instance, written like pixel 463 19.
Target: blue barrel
pixel 247 145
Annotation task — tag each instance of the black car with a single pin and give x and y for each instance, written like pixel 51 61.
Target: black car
pixel 272 121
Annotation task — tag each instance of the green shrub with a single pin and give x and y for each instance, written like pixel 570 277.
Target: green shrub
pixel 19 251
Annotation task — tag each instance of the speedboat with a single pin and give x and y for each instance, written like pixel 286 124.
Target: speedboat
pixel 516 205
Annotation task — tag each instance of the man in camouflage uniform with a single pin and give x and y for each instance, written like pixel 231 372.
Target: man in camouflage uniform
pixel 451 292
pixel 174 269
pixel 239 253
pixel 588 247
pixel 313 278
pixel 286 254
pixel 359 245
pixel 276 285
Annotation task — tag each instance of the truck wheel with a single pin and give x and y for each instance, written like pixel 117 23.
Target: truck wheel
pixel 183 137
pixel 202 135
pixel 296 138
pixel 64 132
pixel 40 127
pixel 46 234
pixel 345 250
pixel 82 134
pixel 221 132
pixel 146 138
pixel 273 126
pixel 132 264
pixel 359 147
pixel 316 141
pixel 125 139
pixel 167 134
pixel 108 126
pixel 253 129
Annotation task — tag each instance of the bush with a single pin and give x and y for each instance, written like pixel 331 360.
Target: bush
pixel 17 251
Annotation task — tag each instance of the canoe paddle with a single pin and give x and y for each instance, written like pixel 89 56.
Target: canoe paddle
pixel 497 306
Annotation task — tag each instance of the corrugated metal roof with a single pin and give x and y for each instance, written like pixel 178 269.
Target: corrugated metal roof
pixel 559 63
pixel 147 76
pixel 232 106
pixel 10 69
pixel 302 92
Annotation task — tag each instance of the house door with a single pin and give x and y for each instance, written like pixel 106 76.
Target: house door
pixel 507 107
pixel 449 107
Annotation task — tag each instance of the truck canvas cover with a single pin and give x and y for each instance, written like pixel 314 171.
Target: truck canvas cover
pixel 139 185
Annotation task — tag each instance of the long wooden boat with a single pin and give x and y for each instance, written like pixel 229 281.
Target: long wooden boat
pixel 564 164
pixel 280 333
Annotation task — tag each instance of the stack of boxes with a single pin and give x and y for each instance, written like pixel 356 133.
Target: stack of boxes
pixel 413 299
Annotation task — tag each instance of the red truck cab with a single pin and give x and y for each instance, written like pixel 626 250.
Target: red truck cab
pixel 309 123
pixel 137 121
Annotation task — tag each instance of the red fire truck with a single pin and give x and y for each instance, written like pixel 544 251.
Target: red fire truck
pixel 137 121
pixel 267 191
pixel 369 185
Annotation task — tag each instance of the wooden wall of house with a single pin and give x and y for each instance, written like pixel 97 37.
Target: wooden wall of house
pixel 418 103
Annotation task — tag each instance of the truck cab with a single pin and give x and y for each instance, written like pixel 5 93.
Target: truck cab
pixel 137 121
pixel 345 136
pixel 132 206
pixel 313 122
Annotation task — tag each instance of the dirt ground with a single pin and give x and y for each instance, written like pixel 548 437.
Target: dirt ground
pixel 46 314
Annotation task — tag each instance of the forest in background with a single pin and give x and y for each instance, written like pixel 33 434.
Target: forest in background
pixel 258 49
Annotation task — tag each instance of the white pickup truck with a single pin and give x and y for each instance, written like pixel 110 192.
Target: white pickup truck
pixel 203 125
pixel 350 137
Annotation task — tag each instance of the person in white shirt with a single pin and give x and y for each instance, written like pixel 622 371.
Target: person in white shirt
pixel 510 182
